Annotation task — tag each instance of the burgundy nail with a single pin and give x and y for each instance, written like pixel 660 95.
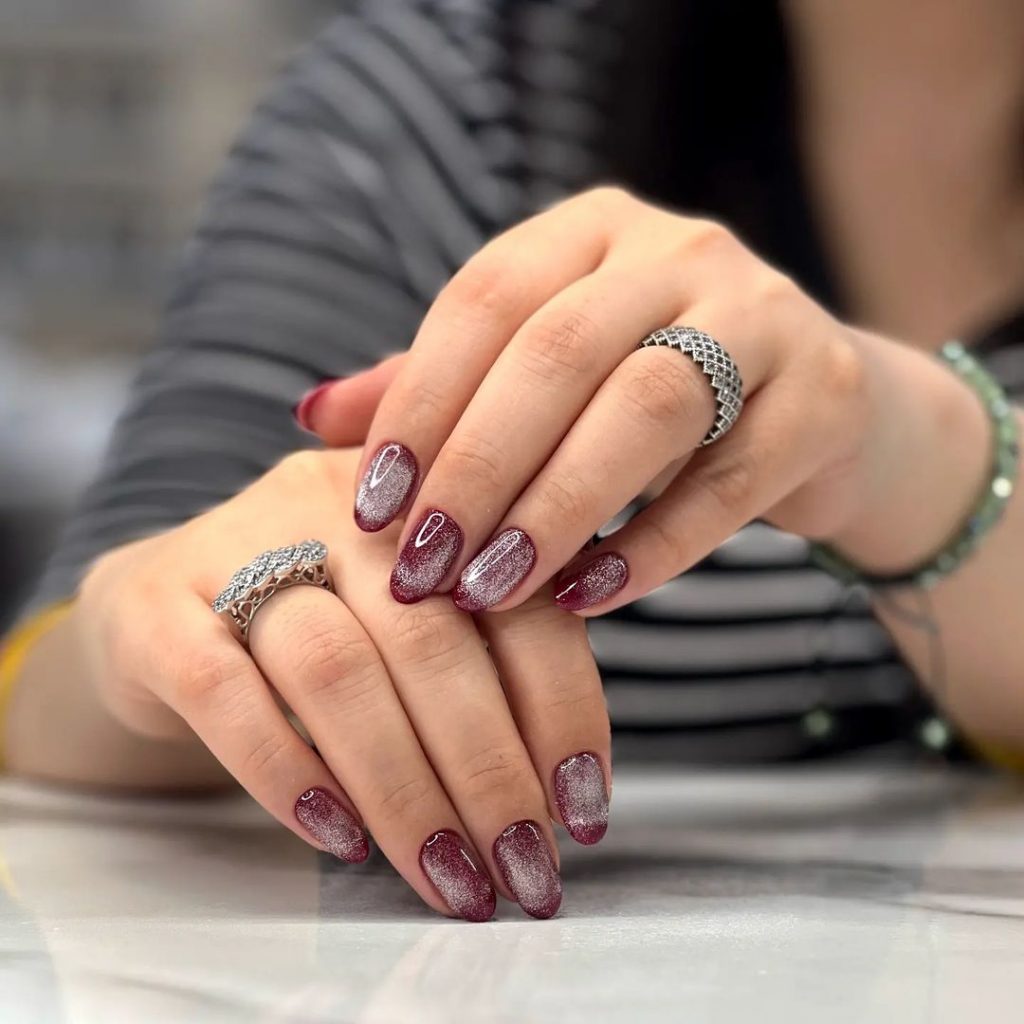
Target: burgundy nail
pixel 496 571
pixel 526 864
pixel 461 884
pixel 324 818
pixel 593 583
pixel 427 556
pixel 303 409
pixel 582 797
pixel 386 487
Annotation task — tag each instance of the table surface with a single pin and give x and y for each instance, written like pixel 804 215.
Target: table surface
pixel 777 895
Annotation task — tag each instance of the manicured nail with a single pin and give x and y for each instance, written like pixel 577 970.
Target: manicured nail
pixel 593 583
pixel 324 818
pixel 303 409
pixel 427 556
pixel 582 797
pixel 526 864
pixel 460 883
pixel 386 487
pixel 496 571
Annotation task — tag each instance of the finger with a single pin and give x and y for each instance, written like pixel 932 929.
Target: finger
pixel 766 456
pixel 465 329
pixel 538 386
pixel 652 412
pixel 554 690
pixel 341 411
pixel 319 657
pixel 449 688
pixel 214 685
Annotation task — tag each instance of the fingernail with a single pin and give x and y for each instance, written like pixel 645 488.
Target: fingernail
pixel 582 797
pixel 303 409
pixel 466 890
pixel 427 556
pixel 496 571
pixel 592 583
pixel 324 818
pixel 386 487
pixel 523 855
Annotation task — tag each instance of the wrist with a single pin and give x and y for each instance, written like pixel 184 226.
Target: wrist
pixel 927 457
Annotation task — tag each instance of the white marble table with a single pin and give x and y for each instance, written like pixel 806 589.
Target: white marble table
pixel 789 896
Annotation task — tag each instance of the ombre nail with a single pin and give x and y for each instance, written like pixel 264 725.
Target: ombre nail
pixel 496 571
pixel 386 487
pixel 592 583
pixel 528 869
pixel 427 556
pixel 324 818
pixel 465 889
pixel 582 797
pixel 303 409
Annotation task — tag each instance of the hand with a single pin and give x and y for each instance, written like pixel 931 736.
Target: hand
pixel 454 744
pixel 524 412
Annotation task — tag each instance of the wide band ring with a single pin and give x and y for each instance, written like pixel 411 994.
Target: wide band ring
pixel 716 364
pixel 256 583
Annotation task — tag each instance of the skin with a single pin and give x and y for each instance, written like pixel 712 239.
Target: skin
pixel 528 405
pixel 415 730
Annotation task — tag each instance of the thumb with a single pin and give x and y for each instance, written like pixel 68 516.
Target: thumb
pixel 340 411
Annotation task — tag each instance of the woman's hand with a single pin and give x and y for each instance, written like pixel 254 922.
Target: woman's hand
pixel 455 747
pixel 523 418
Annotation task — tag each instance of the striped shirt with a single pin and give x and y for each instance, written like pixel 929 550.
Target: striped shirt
pixel 390 150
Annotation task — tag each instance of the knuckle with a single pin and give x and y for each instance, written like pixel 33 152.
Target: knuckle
pixel 205 676
pixel 561 347
pixel 332 665
pixel 730 482
pixel 845 375
pixel 476 463
pixel 262 758
pixel 428 634
pixel 707 236
pixel 483 286
pixel 492 770
pixel 398 797
pixel 612 198
pixel 303 468
pixel 660 388
pixel 567 501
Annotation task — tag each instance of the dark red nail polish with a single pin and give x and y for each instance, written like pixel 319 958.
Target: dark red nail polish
pixel 386 487
pixel 582 797
pixel 496 571
pixel 427 556
pixel 460 883
pixel 327 821
pixel 303 409
pixel 592 583
pixel 528 869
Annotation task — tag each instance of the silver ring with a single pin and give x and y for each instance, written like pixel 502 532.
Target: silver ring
pixel 256 583
pixel 716 364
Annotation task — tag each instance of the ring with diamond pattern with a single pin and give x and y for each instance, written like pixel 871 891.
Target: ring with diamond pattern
pixel 254 584
pixel 716 364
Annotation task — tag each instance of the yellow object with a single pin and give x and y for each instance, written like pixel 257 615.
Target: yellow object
pixel 1002 757
pixel 15 650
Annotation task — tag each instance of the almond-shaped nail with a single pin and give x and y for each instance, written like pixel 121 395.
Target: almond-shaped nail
pixel 582 797
pixel 496 571
pixel 593 582
pixel 465 889
pixel 386 487
pixel 327 821
pixel 303 408
pixel 528 869
pixel 427 556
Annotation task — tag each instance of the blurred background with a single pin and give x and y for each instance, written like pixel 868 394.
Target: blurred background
pixel 113 116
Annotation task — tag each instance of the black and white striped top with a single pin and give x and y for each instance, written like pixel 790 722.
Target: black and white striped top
pixel 385 155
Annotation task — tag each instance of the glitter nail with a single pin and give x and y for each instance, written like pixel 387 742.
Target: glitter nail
pixel 324 818
pixel 461 884
pixel 528 869
pixel 386 487
pixel 582 797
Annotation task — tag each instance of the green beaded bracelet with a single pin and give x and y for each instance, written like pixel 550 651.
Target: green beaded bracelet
pixel 990 505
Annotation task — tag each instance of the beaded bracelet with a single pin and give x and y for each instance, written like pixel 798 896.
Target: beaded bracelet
pixel 990 505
